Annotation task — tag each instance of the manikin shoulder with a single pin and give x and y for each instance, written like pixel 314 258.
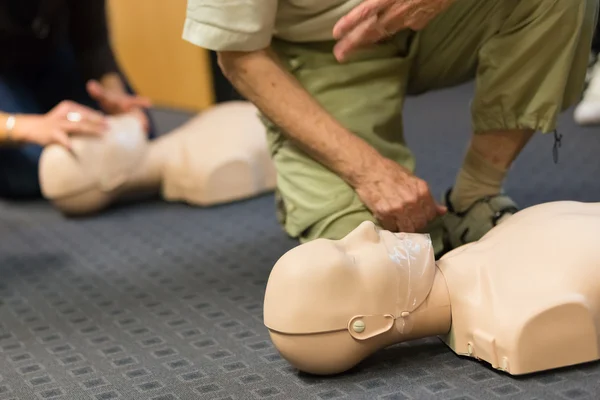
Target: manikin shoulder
pixel 555 233
pixel 525 322
pixel 559 212
pixel 561 333
pixel 517 294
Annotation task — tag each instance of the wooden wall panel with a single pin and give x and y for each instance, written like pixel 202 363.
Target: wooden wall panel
pixel 146 38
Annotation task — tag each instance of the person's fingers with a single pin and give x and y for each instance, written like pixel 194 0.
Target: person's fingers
pixel 383 213
pixel 95 90
pixel 124 102
pixel 385 218
pixel 429 208
pixel 425 200
pixel 84 128
pixel 389 224
pixel 83 120
pixel 364 35
pixel 411 207
pixel 128 103
pixel 60 137
pixel 441 209
pixel 417 217
pixel 358 15
pixel 141 101
pixel 90 115
pixel 395 16
pixel 403 210
pixel 405 224
pixel 77 112
pixel 108 101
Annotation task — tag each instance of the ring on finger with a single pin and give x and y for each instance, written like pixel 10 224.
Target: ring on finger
pixel 74 116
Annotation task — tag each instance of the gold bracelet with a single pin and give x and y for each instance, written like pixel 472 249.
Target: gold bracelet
pixel 10 124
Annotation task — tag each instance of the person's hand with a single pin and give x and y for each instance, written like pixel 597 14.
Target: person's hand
pixel 117 101
pixel 65 119
pixel 400 201
pixel 375 20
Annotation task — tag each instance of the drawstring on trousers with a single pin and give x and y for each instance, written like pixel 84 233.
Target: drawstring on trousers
pixel 557 144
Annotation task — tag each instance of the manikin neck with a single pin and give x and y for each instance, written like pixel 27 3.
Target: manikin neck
pixel 148 177
pixel 431 318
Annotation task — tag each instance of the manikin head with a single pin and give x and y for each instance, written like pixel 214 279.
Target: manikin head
pixel 88 177
pixel 331 303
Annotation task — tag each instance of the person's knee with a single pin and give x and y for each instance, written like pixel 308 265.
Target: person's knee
pixel 580 14
pixel 308 196
pixel 305 215
pixel 563 15
pixel 588 9
pixel 339 224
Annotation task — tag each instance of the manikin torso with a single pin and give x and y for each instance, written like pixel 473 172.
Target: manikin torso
pixel 219 156
pixel 524 298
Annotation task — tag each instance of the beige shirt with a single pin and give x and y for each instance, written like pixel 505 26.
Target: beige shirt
pixel 248 25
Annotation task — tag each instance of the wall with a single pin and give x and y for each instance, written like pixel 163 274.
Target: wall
pixel 146 37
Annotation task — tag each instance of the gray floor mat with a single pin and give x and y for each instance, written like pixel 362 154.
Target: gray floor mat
pixel 164 301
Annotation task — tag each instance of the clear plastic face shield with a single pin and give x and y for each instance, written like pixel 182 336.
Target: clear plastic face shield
pixel 413 257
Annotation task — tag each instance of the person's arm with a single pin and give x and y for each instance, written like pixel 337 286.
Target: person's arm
pixel 260 78
pixel 55 126
pixel 240 31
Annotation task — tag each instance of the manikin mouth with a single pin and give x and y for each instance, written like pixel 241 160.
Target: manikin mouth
pixel 400 247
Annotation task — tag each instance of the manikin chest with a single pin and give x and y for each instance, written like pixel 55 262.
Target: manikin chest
pixel 524 319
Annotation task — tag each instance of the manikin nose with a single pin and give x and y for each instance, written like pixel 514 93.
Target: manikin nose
pixel 367 227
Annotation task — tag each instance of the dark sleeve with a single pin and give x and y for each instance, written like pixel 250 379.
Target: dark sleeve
pixel 88 32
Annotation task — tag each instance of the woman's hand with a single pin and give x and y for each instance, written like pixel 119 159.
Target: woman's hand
pixel 114 100
pixel 375 20
pixel 66 119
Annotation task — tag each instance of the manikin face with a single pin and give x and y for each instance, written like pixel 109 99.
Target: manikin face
pixel 112 159
pixel 320 285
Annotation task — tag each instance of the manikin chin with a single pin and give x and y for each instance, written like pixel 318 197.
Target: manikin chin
pixel 219 156
pixel 525 298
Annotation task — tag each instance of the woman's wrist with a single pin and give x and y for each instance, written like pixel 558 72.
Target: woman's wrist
pixel 13 127
pixel 7 126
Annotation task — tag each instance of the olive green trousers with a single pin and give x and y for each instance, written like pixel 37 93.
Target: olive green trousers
pixel 528 59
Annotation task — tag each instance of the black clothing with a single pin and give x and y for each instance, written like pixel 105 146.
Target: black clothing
pixel 32 30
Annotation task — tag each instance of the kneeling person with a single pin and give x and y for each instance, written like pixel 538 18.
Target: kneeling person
pixel 334 128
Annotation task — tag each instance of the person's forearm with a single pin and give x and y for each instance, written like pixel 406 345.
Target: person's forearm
pixel 261 79
pixel 10 128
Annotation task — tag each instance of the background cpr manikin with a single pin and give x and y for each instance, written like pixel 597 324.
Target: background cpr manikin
pixel 218 156
pixel 524 298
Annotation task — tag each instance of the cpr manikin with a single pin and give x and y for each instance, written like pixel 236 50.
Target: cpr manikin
pixel 524 298
pixel 218 156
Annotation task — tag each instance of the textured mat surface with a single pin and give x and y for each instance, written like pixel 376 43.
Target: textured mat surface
pixel 164 301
